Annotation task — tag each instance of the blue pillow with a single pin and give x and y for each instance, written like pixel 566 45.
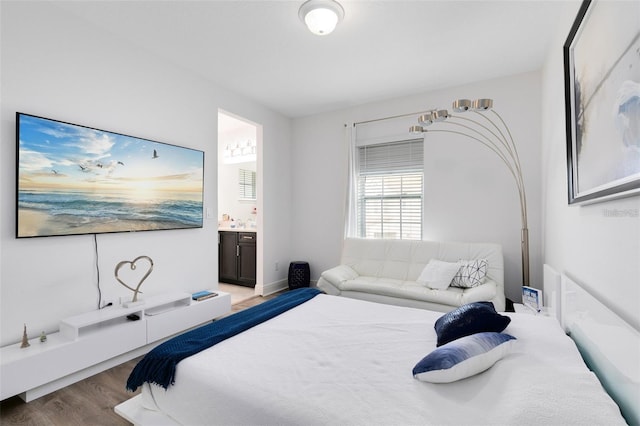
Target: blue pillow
pixel 463 358
pixel 469 319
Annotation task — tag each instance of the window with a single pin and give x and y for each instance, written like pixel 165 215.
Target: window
pixel 389 190
pixel 247 184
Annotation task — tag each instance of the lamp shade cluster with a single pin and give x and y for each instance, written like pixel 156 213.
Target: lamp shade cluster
pixel 459 105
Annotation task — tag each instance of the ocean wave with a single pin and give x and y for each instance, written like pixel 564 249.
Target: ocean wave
pixel 87 207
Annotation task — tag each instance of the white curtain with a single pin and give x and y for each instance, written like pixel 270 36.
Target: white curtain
pixel 350 222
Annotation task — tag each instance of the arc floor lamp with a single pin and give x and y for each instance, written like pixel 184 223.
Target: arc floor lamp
pixel 492 132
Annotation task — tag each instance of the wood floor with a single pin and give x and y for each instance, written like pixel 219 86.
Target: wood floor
pixel 89 402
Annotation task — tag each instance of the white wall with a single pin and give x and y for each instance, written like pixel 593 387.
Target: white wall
pixel 469 193
pixel 228 174
pixel 598 244
pixel 57 66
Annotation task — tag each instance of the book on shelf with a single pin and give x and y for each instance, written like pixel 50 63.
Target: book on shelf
pixel 203 295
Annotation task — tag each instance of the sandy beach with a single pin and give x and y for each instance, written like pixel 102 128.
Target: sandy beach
pixel 32 223
pixel 35 223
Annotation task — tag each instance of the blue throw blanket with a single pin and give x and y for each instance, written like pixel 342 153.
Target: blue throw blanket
pixel 159 365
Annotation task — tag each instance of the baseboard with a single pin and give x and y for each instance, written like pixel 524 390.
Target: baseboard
pixel 274 287
pixel 281 285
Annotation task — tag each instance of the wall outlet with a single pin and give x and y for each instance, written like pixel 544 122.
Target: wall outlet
pixel 277 266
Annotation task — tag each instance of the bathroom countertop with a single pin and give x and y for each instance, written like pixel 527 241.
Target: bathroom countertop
pixel 243 229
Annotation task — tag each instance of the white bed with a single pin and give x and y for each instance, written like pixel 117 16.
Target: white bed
pixel 341 361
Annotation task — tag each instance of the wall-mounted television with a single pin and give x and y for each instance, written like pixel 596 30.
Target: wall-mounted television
pixel 74 180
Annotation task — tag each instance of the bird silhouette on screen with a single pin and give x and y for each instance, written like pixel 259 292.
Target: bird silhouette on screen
pixel 155 155
pixel 120 162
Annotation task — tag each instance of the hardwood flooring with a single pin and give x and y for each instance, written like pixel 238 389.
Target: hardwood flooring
pixel 238 293
pixel 89 402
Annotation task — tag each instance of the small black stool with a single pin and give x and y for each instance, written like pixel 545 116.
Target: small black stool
pixel 299 275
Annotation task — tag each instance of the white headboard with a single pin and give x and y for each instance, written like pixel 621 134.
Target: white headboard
pixel 609 345
pixel 552 291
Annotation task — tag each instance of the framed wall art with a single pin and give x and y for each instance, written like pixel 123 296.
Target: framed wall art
pixel 602 95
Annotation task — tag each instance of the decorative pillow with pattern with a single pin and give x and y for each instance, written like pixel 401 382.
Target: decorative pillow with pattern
pixel 472 273
pixel 463 358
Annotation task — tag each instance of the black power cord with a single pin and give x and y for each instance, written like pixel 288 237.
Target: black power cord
pixel 95 245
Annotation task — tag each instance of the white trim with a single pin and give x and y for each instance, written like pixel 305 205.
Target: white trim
pixel 274 287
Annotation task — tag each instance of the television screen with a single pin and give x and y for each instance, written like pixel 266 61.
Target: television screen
pixel 76 180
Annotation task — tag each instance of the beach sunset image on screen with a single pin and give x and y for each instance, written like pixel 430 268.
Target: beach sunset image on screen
pixel 80 180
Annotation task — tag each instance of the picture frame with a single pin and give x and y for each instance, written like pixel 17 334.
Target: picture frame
pixel 532 298
pixel 602 102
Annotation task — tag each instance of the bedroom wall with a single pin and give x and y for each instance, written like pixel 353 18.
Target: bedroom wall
pixel 598 244
pixel 469 193
pixel 57 66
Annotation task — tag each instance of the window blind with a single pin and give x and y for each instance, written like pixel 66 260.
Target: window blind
pixel 390 182
pixel 395 157
pixel 247 184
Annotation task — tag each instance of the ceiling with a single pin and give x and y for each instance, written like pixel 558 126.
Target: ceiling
pixel 381 50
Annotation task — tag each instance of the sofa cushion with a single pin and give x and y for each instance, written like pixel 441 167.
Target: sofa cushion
pixel 452 296
pixel 438 274
pixel 469 319
pixel 471 273
pixel 339 274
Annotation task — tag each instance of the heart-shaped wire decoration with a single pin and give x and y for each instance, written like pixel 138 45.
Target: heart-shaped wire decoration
pixel 132 266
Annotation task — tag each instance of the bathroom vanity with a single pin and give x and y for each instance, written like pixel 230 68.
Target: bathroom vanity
pixel 237 257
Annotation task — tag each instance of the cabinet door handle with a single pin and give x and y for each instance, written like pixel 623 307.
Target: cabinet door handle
pixel 237 251
pixel 245 237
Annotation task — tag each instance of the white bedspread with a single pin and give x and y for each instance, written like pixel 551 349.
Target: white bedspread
pixel 340 361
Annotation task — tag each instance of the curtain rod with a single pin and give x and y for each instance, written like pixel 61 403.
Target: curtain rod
pixel 390 118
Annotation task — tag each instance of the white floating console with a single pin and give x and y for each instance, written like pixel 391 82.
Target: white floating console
pixel 95 341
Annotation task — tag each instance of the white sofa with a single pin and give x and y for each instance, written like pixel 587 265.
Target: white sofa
pixel 386 271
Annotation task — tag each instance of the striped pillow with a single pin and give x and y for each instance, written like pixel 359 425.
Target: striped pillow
pixel 463 358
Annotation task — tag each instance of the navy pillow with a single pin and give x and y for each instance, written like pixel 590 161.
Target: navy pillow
pixel 469 319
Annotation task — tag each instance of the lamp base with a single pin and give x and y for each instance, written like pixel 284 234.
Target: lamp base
pixel 525 257
pixel 133 304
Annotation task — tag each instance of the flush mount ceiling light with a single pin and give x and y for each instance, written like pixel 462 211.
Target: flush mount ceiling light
pixel 321 16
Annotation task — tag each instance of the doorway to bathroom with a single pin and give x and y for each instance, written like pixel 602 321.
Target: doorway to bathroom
pixel 239 213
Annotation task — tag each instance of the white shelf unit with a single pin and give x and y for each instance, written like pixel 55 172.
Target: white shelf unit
pixel 95 341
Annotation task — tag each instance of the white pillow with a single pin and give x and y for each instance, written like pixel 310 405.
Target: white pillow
pixel 464 357
pixel 472 273
pixel 438 274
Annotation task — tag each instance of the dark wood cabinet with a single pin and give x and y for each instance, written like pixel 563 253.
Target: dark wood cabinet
pixel 247 258
pixel 228 257
pixel 237 258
